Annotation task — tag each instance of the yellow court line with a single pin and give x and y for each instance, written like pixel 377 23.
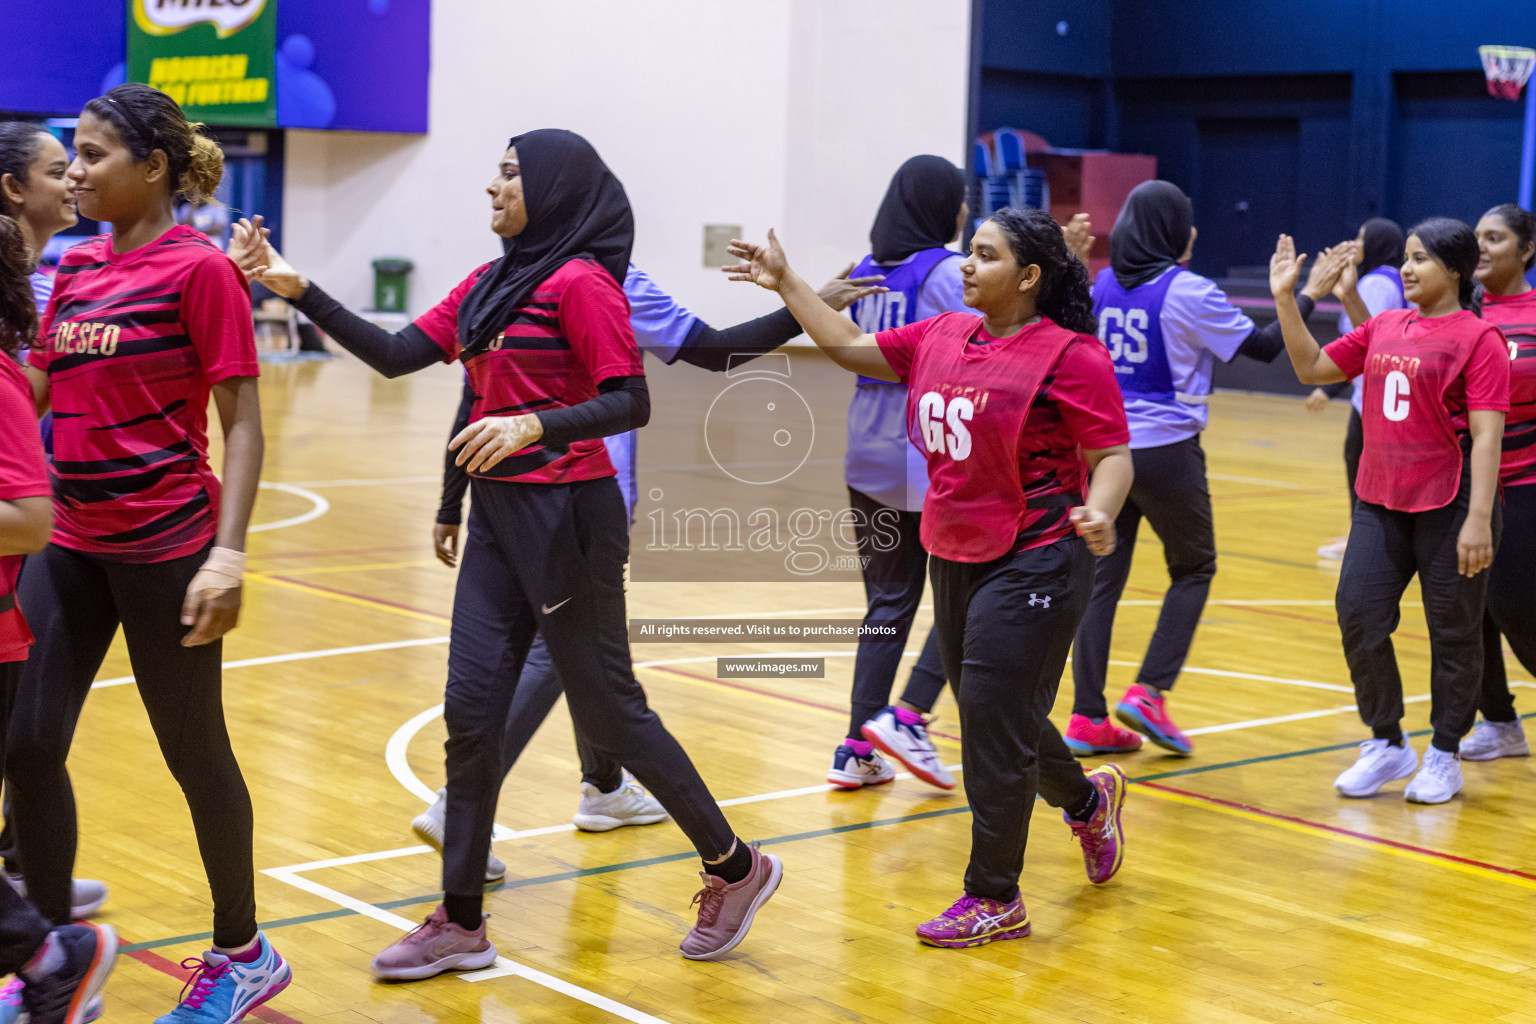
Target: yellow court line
pixel 361 602
pixel 364 567
pixel 1378 846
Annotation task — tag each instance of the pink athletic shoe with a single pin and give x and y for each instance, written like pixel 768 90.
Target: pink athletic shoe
pixel 975 921
pixel 1143 709
pixel 1085 737
pixel 1100 836
pixel 726 911
pixel 434 946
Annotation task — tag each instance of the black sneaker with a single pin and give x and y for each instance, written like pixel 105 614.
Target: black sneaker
pixel 64 996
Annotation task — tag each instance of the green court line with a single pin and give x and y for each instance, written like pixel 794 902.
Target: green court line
pixel 566 876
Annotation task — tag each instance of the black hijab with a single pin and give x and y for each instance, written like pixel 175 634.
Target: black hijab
pixel 1383 246
pixel 1151 232
pixel 919 210
pixel 576 208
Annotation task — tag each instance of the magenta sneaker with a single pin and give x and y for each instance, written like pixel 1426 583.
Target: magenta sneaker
pixel 1085 737
pixel 1102 841
pixel 975 921
pixel 1143 709
pixel 435 946
pixel 726 911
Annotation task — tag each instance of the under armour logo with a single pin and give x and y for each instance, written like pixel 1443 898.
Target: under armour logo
pixel 1041 602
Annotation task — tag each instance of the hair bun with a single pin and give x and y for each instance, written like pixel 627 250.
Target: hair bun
pixel 205 169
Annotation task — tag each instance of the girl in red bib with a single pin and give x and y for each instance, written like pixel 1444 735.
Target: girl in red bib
pixel 1506 240
pixel 1436 388
pixel 1019 419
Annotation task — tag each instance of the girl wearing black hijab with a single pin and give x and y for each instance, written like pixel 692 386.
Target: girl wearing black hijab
pixel 1165 327
pixel 1377 252
pixel 545 336
pixel 922 213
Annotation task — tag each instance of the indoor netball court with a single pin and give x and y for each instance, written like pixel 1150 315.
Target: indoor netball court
pixel 925 315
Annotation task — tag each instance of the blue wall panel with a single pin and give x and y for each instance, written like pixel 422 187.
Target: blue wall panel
pixel 58 51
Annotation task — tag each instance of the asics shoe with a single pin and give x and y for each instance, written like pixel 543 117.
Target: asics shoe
pixel 975 921
pixel 1100 837
pixel 851 771
pixel 908 743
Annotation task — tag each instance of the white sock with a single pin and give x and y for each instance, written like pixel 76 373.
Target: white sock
pixel 48 958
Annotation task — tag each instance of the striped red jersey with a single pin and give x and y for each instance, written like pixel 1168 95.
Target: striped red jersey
pixel 572 333
pixel 23 474
pixel 132 343
pixel 1515 315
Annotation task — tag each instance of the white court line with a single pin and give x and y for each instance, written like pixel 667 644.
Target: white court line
pixel 504 967
pixel 382 481
pixel 277 659
pixel 321 507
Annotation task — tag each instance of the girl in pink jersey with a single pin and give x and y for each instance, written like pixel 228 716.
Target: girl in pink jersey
pixel 544 333
pixel 58 972
pixel 144 325
pixel 1506 241
pixel 1435 388
pixel 1019 418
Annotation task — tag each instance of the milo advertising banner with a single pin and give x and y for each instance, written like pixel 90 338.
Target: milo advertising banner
pixel 214 57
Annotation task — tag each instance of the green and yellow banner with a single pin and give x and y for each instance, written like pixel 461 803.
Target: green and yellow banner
pixel 214 57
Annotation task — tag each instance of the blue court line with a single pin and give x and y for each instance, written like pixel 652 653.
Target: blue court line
pixel 566 876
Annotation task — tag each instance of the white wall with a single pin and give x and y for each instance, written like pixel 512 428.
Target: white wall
pixel 790 113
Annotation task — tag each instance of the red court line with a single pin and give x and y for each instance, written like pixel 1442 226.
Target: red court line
pixel 150 958
pixel 1310 618
pixel 1336 830
pixel 359 597
pixel 769 693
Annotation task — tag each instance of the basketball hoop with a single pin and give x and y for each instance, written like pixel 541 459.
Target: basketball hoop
pixel 1507 69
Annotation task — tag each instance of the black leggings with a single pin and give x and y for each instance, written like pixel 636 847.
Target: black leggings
pixel 1354 445
pixel 1005 629
pixel 1511 603
pixel 74 603
pixel 549 558
pixel 893 587
pixel 1386 548
pixel 22 928
pixel 1170 491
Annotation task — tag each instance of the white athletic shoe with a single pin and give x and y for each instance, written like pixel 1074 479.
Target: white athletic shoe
pixel 630 804
pixel 1437 781
pixel 909 744
pixel 850 771
pixel 1333 551
pixel 86 895
pixel 1492 740
pixel 1379 763
pixel 428 826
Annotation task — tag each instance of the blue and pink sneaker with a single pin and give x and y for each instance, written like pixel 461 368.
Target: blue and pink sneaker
pixel 975 921
pixel 1144 709
pixel 1100 837
pixel 222 991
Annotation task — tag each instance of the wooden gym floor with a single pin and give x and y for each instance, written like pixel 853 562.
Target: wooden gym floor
pixel 1250 891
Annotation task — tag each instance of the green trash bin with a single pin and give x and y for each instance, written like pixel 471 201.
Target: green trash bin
pixel 390 276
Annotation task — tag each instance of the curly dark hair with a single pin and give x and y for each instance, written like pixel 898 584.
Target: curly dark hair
pixel 1454 246
pixel 18 310
pixel 1064 293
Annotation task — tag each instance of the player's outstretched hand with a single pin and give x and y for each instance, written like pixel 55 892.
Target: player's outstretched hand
pixel 765 265
pixel 247 244
pixel 254 255
pixel 1349 269
pixel 445 543
pixel 1285 268
pixel 1096 528
pixel 1078 234
pixel 487 441
pixel 1317 401
pixel 843 291
pixel 1324 273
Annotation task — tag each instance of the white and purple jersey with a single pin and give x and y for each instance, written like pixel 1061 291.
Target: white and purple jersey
pixel 881 460
pixel 1164 338
pixel 1380 290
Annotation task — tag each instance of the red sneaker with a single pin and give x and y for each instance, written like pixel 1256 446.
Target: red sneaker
pixel 1085 737
pixel 726 910
pixel 1144 709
